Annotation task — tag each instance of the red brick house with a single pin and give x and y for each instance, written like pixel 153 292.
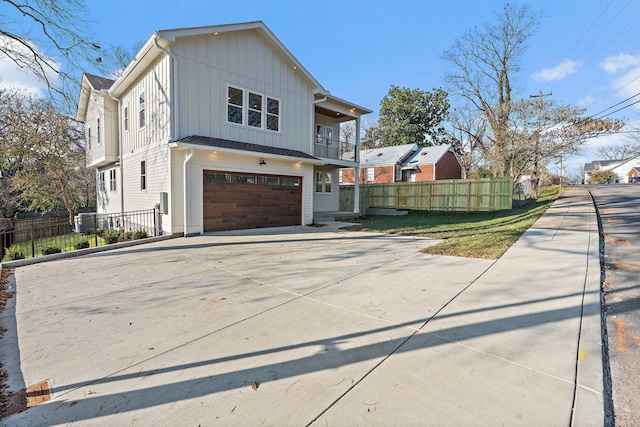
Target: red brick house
pixel 634 175
pixel 408 163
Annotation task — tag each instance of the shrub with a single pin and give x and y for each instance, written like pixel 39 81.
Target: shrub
pixel 140 234
pixel 14 253
pixel 125 236
pixel 100 232
pixel 110 236
pixel 49 250
pixel 82 244
pixel 89 231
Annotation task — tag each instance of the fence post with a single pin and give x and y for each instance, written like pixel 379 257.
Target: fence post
pixel 33 245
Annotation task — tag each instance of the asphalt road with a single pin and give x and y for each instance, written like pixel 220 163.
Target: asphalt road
pixel 618 207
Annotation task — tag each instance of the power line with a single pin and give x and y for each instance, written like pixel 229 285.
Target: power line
pixel 615 105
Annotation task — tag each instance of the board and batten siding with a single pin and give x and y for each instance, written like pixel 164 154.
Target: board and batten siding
pixel 206 65
pixel 327 202
pixel 156 85
pixel 158 178
pixel 208 160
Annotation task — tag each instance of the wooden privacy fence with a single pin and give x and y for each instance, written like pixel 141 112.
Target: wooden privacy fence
pixel 447 195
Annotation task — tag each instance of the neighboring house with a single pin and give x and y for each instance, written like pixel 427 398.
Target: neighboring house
pixel 619 167
pixel 634 175
pixel 405 163
pixel 222 125
pixel 432 164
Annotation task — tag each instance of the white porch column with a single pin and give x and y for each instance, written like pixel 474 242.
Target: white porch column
pixel 356 171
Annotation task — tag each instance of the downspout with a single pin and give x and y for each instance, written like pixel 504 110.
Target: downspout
pixel 356 173
pixel 185 191
pixel 120 157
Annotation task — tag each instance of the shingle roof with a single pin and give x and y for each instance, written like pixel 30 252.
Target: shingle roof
pixel 243 146
pixel 99 83
pixel 386 155
pixel 429 155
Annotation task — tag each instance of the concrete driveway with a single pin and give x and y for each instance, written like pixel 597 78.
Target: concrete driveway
pixel 264 327
pixel 309 326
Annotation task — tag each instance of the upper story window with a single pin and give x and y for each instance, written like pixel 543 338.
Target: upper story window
pixel 235 105
pixel 273 114
pixel 255 110
pixel 142 109
pixel 101 181
pixel 125 115
pixel 252 109
pixel 98 130
pixel 89 137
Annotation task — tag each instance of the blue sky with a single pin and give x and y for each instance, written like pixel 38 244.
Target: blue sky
pixel 586 52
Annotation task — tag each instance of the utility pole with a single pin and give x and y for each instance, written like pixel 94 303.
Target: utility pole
pixel 536 178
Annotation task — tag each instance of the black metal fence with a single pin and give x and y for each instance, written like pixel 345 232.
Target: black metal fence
pixel 27 238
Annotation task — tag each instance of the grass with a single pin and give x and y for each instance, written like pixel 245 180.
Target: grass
pixel 466 234
pixel 65 242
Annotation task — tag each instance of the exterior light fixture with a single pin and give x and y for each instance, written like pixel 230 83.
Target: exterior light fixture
pixel 262 162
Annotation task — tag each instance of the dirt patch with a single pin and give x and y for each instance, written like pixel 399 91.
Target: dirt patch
pixel 5 295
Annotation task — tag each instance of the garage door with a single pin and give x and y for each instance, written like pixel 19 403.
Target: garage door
pixel 235 201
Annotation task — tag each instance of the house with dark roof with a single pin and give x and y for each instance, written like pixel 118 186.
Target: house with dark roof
pixel 409 163
pixel 620 168
pixel 222 127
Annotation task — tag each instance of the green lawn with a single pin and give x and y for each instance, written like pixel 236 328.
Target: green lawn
pixel 65 242
pixel 467 234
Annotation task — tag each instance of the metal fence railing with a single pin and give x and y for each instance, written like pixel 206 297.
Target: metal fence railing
pixel 36 237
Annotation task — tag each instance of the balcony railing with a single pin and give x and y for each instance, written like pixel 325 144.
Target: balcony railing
pixel 334 149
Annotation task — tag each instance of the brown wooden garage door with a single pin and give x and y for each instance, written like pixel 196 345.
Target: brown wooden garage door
pixel 236 201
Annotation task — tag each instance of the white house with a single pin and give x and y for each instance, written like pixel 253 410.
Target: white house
pixel 620 168
pixel 222 126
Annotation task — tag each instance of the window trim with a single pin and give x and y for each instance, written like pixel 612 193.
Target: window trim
pixel 125 118
pixel 89 138
pixel 324 179
pixel 98 139
pixel 371 174
pixel 143 175
pixel 142 110
pixel 113 186
pixel 101 181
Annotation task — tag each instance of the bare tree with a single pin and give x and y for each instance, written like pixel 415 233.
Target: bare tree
pixel 541 131
pixel 51 39
pixel 629 149
pixel 484 61
pixel 373 134
pixel 466 132
pixel 48 151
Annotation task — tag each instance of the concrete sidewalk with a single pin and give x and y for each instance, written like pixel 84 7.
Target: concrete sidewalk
pixel 316 326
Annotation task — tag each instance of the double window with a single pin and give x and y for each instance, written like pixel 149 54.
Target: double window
pixel 323 182
pixel 324 135
pixel 252 109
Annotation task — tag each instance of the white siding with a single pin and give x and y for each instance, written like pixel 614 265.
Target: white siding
pixel 327 202
pixel 155 84
pixel 208 64
pixel 106 110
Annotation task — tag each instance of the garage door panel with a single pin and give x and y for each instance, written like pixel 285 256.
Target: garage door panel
pixel 234 206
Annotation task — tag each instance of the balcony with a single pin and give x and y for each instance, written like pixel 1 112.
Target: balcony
pixel 334 149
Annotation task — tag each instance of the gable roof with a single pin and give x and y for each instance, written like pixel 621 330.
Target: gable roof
pixel 429 155
pixel 161 41
pixel 386 156
pixel 90 83
pixel 99 83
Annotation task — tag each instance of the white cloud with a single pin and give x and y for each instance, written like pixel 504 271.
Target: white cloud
pixel 623 61
pixel 628 83
pixel 12 75
pixel 562 70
